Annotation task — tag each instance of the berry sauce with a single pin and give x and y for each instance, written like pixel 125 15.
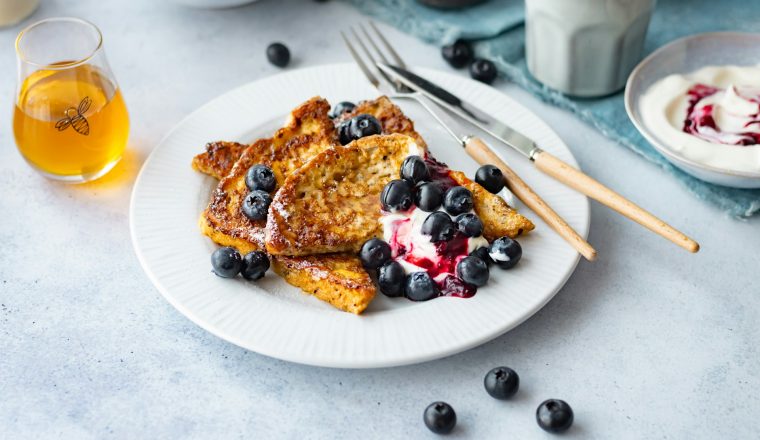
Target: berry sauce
pixel 700 122
pixel 439 173
pixel 441 266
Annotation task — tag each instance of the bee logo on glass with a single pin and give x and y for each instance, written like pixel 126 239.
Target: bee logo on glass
pixel 74 117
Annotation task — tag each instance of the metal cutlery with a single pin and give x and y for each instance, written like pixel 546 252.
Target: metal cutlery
pixel 474 146
pixel 544 161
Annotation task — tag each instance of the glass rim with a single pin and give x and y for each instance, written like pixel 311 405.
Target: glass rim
pixel 59 66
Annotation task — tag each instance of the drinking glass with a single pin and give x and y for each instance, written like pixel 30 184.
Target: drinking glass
pixel 70 120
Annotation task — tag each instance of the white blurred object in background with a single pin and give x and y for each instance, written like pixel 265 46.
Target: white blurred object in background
pixel 585 47
pixel 13 11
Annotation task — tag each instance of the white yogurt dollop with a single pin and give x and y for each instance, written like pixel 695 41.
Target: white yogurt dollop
pixel 710 116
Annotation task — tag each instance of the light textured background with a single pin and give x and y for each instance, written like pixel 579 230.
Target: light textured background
pixel 648 342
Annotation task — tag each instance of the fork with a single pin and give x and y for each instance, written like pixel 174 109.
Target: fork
pixel 474 146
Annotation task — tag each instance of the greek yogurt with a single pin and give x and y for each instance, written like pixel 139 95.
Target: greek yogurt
pixel 417 253
pixel 711 116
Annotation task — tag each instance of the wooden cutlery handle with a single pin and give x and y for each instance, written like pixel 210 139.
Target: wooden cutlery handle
pixel 482 154
pixel 584 184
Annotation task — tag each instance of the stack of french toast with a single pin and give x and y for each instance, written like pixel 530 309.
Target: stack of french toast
pixel 326 201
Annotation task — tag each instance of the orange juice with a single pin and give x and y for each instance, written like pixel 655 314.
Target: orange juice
pixel 70 122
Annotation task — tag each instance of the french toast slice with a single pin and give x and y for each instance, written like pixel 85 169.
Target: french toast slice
pixel 332 204
pixel 307 132
pixel 218 159
pixel 499 219
pixel 338 279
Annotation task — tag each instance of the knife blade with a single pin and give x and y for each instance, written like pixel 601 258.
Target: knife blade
pixel 461 108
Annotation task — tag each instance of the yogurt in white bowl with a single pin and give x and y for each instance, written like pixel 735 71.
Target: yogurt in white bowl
pixel 696 99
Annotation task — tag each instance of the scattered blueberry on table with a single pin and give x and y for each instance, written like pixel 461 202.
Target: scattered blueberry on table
pixel 440 417
pixel 483 71
pixel 457 54
pixel 278 54
pixel 554 415
pixel 501 383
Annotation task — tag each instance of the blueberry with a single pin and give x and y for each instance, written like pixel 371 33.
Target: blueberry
pixel 343 137
pixel 396 196
pixel 457 200
pixel 457 54
pixel 226 262
pixel 483 71
pixel 255 265
pixel 502 383
pixel 469 224
pixel 482 253
pixel 278 54
pixel 490 178
pixel 440 417
pixel 554 415
pixel 439 227
pixel 341 108
pixel 505 252
pixel 375 253
pixel 260 177
pixel 391 279
pixel 473 271
pixel 420 287
pixel 428 196
pixel 256 204
pixel 414 170
pixel 363 125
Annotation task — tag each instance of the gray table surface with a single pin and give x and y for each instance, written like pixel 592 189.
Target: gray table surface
pixel 647 342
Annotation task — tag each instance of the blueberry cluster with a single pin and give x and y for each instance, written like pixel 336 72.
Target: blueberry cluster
pixel 227 263
pixel 502 383
pixel 460 53
pixel 260 181
pixel 416 188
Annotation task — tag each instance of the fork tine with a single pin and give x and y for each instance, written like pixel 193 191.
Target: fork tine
pixel 388 47
pixel 374 46
pixel 396 85
pixel 372 78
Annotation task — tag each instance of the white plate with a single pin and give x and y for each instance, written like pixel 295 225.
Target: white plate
pixel 275 319
pixel 684 56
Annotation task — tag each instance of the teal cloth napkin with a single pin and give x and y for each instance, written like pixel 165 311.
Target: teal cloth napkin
pixel 500 37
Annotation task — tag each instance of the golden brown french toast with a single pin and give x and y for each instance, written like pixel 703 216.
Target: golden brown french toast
pixel 499 219
pixel 218 159
pixel 307 132
pixel 338 279
pixel 332 204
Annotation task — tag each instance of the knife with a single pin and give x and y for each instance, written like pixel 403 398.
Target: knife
pixel 482 154
pixel 544 161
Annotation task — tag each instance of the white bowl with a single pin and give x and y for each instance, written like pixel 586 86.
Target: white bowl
pixel 685 56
